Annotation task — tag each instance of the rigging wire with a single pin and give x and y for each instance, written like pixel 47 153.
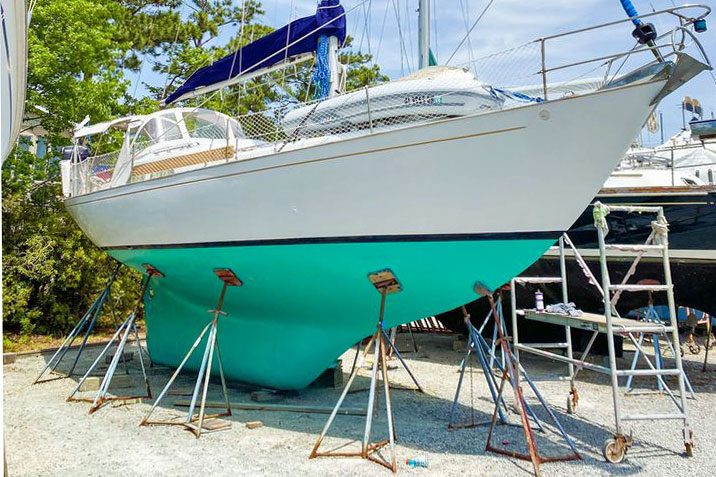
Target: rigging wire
pixel 382 29
pixel 404 58
pixel 172 52
pixel 410 31
pixel 465 8
pixel 470 30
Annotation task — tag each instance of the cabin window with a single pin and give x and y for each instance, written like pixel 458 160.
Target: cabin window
pixel 697 173
pixel 711 176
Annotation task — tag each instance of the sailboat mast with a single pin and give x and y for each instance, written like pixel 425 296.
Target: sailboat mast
pixel 423 33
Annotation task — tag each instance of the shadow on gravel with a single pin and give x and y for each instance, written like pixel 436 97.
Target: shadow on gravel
pixel 421 419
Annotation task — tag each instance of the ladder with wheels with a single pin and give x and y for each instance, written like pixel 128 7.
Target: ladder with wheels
pixel 611 324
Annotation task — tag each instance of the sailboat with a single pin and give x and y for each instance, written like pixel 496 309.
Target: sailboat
pixel 303 214
pixel 13 70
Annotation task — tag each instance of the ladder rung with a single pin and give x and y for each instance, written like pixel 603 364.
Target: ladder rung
pixel 635 288
pixel 538 279
pixel 643 329
pixel 649 417
pixel 546 345
pixel 636 209
pixel 647 372
pixel 633 248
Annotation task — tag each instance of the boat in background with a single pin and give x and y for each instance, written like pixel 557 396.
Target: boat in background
pixel 13 69
pixel 304 219
pixel 691 152
pixel 644 178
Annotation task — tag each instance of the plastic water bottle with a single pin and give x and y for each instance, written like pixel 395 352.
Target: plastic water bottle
pixel 539 301
pixel 419 461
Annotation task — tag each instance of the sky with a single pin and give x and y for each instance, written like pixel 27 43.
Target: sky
pixel 388 30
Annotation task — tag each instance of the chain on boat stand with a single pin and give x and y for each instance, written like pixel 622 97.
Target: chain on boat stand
pixel 127 327
pixel 509 374
pixel 196 423
pixel 88 320
pixel 386 283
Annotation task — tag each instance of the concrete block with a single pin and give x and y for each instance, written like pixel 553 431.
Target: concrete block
pixel 91 384
pixel 8 358
pixel 460 344
pixel 331 378
pixel 128 356
pixel 121 381
pixel 265 396
pixel 254 424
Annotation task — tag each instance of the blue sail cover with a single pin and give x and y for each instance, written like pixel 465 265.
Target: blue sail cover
pixel 301 34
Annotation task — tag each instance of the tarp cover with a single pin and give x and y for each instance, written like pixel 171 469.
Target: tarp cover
pixel 301 34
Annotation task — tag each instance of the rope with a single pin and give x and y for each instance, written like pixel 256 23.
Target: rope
pixel 322 72
pixel 600 216
pixel 660 227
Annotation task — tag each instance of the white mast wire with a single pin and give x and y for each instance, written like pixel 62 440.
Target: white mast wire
pixel 470 30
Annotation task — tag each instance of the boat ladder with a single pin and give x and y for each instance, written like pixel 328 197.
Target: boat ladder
pixel 612 325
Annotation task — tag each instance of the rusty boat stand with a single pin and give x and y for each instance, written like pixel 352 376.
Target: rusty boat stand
pixel 510 375
pixel 386 283
pixel 86 324
pixel 196 423
pixel 126 328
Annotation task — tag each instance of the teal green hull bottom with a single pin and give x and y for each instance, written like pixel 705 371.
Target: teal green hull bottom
pixel 302 305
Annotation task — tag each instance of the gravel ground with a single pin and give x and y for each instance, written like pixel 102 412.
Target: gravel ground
pixel 45 435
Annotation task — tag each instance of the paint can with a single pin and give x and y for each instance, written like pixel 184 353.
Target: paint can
pixel 539 301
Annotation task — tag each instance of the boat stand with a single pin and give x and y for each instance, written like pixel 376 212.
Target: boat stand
pixel 386 283
pixel 127 327
pixel 194 423
pixel 88 320
pixel 510 375
pixel 483 350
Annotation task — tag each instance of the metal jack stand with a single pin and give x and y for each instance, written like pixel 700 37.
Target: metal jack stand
pixel 474 343
pixel 483 350
pixel 89 320
pixel 193 423
pixel 127 327
pixel 509 374
pixel 386 283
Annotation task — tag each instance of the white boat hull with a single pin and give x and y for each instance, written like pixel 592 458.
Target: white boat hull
pixel 444 206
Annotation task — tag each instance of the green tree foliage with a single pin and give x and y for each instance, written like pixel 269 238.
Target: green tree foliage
pixel 51 271
pixel 79 52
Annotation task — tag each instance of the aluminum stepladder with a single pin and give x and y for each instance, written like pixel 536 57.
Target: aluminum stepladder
pixel 386 283
pixel 126 328
pixel 86 324
pixel 615 449
pixel 196 423
pixel 566 345
pixel 652 316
